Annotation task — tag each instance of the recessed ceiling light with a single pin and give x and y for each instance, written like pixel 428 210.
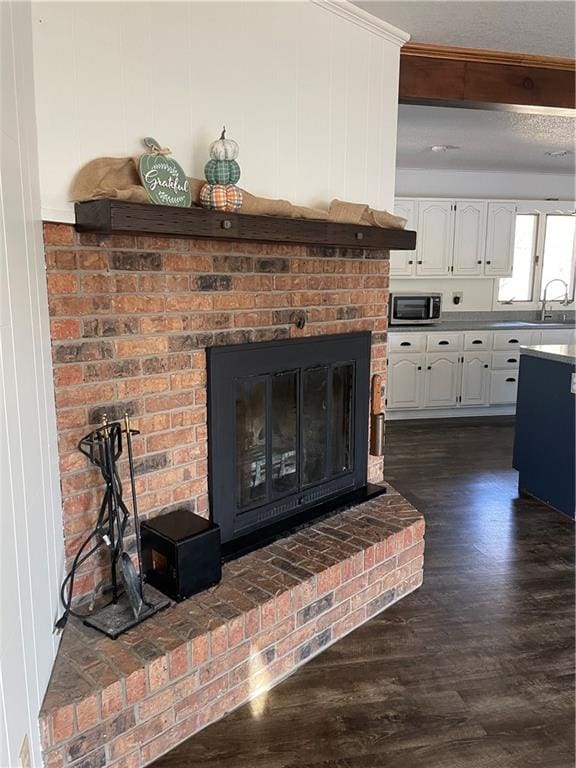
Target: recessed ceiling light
pixel 559 153
pixel 443 147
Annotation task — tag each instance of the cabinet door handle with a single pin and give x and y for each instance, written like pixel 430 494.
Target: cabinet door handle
pixel 429 367
pixel 477 341
pixel 405 343
pixel 410 262
pixel 512 360
pixel 479 261
pixel 511 380
pixel 488 262
pixel 443 343
pixel 420 262
pixel 419 367
pixel 513 341
pixel 485 365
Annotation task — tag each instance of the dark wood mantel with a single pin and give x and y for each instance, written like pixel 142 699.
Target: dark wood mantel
pixel 109 216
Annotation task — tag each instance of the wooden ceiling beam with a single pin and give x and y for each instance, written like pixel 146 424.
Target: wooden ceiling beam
pixel 484 79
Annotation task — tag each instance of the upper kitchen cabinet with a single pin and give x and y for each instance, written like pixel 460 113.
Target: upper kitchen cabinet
pixel 469 238
pixel 403 263
pixel 500 239
pixel 435 233
pixel 463 238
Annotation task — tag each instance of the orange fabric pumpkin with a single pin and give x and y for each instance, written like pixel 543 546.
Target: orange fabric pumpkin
pixel 221 197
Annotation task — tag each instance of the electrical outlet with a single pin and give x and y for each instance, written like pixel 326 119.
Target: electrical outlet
pixel 457 297
pixel 573 384
pixel 24 756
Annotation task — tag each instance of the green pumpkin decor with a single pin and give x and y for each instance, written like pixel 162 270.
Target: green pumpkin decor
pixel 222 171
pixel 162 177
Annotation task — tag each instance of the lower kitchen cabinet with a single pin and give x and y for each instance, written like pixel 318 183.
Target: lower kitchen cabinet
pixel 441 381
pixel 405 377
pixel 503 387
pixel 459 372
pixel 475 378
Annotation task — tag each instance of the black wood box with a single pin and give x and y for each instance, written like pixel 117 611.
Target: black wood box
pixel 181 553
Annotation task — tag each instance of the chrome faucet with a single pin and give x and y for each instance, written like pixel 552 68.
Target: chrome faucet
pixel 543 315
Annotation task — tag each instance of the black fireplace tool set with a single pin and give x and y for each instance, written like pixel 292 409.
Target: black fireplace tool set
pixel 131 601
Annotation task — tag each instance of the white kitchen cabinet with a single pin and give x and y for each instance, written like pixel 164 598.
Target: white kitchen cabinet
pixel 444 342
pixel 406 342
pixel 504 340
pixel 405 377
pixel 503 387
pixel 476 341
pixel 501 226
pixel 441 381
pixel 403 263
pixel 435 237
pixel 506 361
pixel 469 238
pixel 475 378
pixel 556 336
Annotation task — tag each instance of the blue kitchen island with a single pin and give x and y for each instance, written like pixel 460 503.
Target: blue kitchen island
pixel 544 444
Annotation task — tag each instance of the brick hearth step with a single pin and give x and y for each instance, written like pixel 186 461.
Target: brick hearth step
pixel 123 703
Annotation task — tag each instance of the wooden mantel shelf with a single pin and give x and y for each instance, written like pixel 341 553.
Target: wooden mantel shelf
pixel 109 216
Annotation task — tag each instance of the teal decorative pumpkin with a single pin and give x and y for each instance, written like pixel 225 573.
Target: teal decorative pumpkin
pixel 221 197
pixel 222 171
pixel 223 148
pixel 162 177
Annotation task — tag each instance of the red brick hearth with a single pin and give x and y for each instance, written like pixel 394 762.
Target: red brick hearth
pixel 122 703
pixel 130 320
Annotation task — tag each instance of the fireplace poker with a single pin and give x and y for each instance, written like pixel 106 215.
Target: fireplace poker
pixel 129 433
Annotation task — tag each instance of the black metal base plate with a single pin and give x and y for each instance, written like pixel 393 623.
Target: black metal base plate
pixel 287 526
pixel 116 618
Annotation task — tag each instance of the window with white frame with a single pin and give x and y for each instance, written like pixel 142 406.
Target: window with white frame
pixel 519 286
pixel 553 235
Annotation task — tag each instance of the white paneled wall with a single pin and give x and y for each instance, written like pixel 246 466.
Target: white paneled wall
pixel 31 547
pixel 308 89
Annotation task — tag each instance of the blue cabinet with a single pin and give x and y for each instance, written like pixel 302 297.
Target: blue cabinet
pixel 544 448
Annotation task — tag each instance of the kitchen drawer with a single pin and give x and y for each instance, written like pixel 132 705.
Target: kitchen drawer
pixel 475 341
pixel 511 339
pixel 406 342
pixel 557 336
pixel 444 342
pixel 503 387
pixel 506 361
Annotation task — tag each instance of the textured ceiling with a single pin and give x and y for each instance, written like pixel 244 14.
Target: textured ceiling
pixel 545 27
pixel 490 141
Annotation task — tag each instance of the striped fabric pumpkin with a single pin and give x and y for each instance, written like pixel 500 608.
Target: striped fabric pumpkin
pixel 221 197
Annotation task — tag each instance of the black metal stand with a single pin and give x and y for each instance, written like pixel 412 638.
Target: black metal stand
pixel 135 603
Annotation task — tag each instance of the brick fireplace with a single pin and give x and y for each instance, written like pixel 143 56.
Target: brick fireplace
pixel 131 319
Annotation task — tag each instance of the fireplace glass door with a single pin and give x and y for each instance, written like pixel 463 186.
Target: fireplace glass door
pixel 288 427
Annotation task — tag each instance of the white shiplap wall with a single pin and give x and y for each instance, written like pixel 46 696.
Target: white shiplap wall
pixel 308 89
pixel 31 546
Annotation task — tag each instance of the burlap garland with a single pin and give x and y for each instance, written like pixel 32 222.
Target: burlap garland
pixel 118 178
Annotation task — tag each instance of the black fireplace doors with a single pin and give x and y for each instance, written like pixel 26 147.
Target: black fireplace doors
pixel 288 428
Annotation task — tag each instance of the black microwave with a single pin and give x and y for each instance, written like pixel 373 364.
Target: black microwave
pixel 414 308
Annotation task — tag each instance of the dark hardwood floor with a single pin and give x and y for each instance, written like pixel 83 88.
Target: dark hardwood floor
pixel 474 670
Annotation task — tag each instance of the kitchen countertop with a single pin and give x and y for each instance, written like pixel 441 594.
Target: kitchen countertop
pixel 478 325
pixel 563 353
